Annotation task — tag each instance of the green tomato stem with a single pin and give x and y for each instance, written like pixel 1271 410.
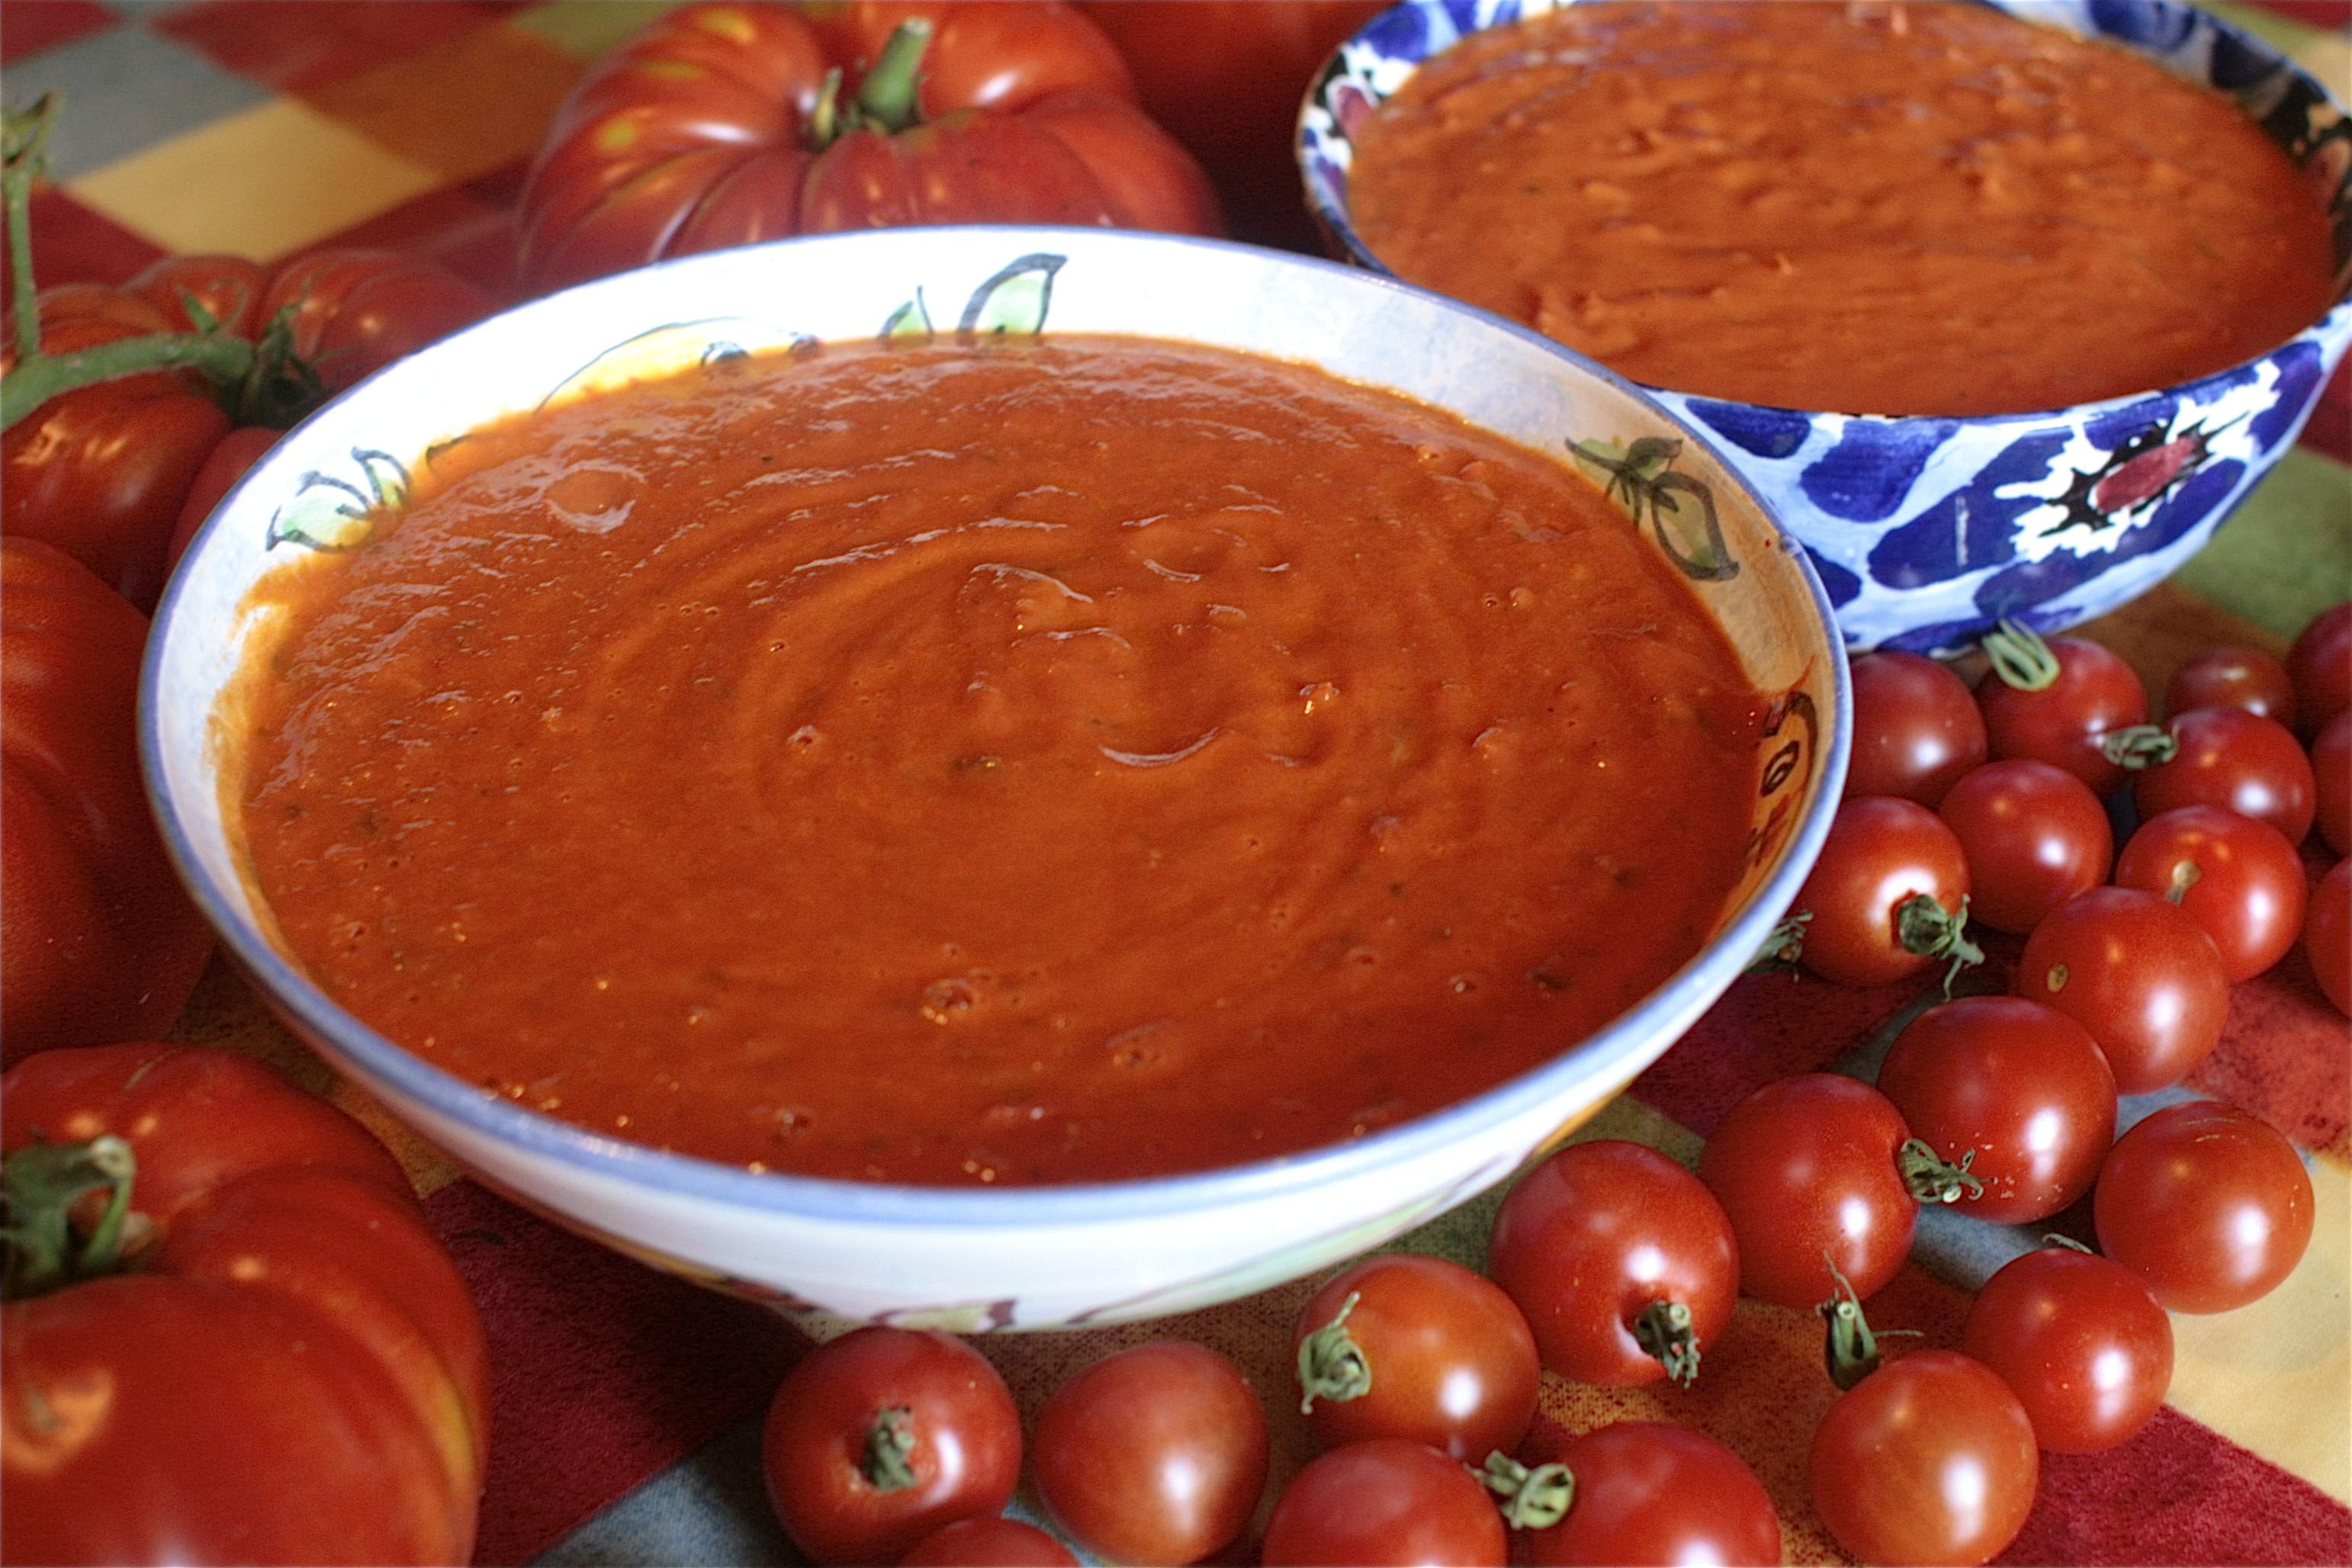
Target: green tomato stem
pixel 1534 1498
pixel 1664 1332
pixel 27 155
pixel 40 1184
pixel 886 97
pixel 1331 1364
pixel 2138 746
pixel 2020 658
pixel 889 1448
pixel 224 361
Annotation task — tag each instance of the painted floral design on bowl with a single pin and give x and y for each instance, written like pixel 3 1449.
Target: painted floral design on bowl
pixel 1928 531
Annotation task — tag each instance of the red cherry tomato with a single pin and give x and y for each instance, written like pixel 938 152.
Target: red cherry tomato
pixel 1916 728
pixel 877 1438
pixel 2320 663
pixel 1156 1455
pixel 1385 1500
pixel 2034 837
pixel 2229 757
pixel 2208 1204
pixel 2020 1086
pixel 1621 1260
pixel 1403 1345
pixel 2138 974
pixel 2328 935
pixel 2240 879
pixel 2079 1341
pixel 1811 1166
pixel 2331 775
pixel 1647 1492
pixel 2243 677
pixel 991 1542
pixel 1928 1460
pixel 2087 692
pixel 1882 854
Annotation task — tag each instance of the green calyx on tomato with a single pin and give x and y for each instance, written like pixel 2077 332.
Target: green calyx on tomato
pixel 1933 1179
pixel 2020 658
pixel 40 1186
pixel 1849 1347
pixel 1664 1331
pixel 886 98
pixel 2139 746
pixel 1534 1498
pixel 1927 928
pixel 1331 1364
pixel 260 380
pixel 1784 946
pixel 889 1450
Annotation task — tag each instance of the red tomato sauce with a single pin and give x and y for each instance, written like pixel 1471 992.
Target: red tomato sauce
pixel 1929 208
pixel 1032 762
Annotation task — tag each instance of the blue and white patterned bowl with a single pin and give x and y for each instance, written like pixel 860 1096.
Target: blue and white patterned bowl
pixel 1928 531
pixel 1022 1258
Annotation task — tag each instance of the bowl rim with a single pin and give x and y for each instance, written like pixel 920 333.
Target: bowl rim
pixel 1331 212
pixel 379 1060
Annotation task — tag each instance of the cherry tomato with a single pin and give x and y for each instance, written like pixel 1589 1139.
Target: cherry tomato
pixel 2238 877
pixel 1916 728
pixel 2331 773
pixel 1811 1166
pixel 1156 1455
pixel 2079 1341
pixel 1928 1460
pixel 2138 974
pixel 2085 691
pixel 988 1542
pixel 1882 854
pixel 2034 837
pixel 1621 1260
pixel 2208 1204
pixel 1647 1492
pixel 2017 1083
pixel 1385 1500
pixel 2328 935
pixel 2229 757
pixel 877 1438
pixel 2320 663
pixel 1403 1345
pixel 2243 677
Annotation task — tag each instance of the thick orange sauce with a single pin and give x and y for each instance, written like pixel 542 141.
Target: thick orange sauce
pixel 1030 762
pixel 1927 209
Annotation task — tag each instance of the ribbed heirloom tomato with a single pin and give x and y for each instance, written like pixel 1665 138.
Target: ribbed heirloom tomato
pixel 265 1357
pixel 98 942
pixel 110 473
pixel 721 124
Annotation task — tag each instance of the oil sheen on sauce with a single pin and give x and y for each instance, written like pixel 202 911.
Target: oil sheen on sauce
pixel 1020 763
pixel 1925 208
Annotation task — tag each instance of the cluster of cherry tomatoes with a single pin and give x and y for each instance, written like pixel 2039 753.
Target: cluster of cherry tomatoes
pixel 1613 1264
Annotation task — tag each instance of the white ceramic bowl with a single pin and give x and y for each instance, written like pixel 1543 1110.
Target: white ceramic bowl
pixel 1024 1258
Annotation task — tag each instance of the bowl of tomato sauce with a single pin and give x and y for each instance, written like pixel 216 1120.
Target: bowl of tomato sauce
pixel 994 777
pixel 2004 313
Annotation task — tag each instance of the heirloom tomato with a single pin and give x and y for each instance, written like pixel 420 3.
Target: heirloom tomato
pixel 99 940
pixel 230 1336
pixel 720 124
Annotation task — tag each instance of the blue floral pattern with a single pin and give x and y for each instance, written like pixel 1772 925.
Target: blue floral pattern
pixel 1928 531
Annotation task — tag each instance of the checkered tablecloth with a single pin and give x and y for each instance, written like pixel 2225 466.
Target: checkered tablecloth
pixel 627 1403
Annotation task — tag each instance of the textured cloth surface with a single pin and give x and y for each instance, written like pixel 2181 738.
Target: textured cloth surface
pixel 627 1403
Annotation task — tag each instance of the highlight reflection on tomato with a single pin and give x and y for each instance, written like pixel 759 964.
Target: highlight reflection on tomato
pixel 2138 974
pixel 2209 1204
pixel 2240 879
pixel 1929 1460
pixel 2079 1341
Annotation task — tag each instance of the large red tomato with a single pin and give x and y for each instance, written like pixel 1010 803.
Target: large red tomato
pixel 269 1360
pixel 1225 76
pixel 720 124
pixel 103 472
pixel 98 942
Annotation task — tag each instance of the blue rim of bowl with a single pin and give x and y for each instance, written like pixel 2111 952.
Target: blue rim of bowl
pixel 1599 1055
pixel 1331 214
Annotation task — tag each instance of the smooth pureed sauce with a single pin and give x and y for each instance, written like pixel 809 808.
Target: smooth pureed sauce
pixel 1030 762
pixel 1929 208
